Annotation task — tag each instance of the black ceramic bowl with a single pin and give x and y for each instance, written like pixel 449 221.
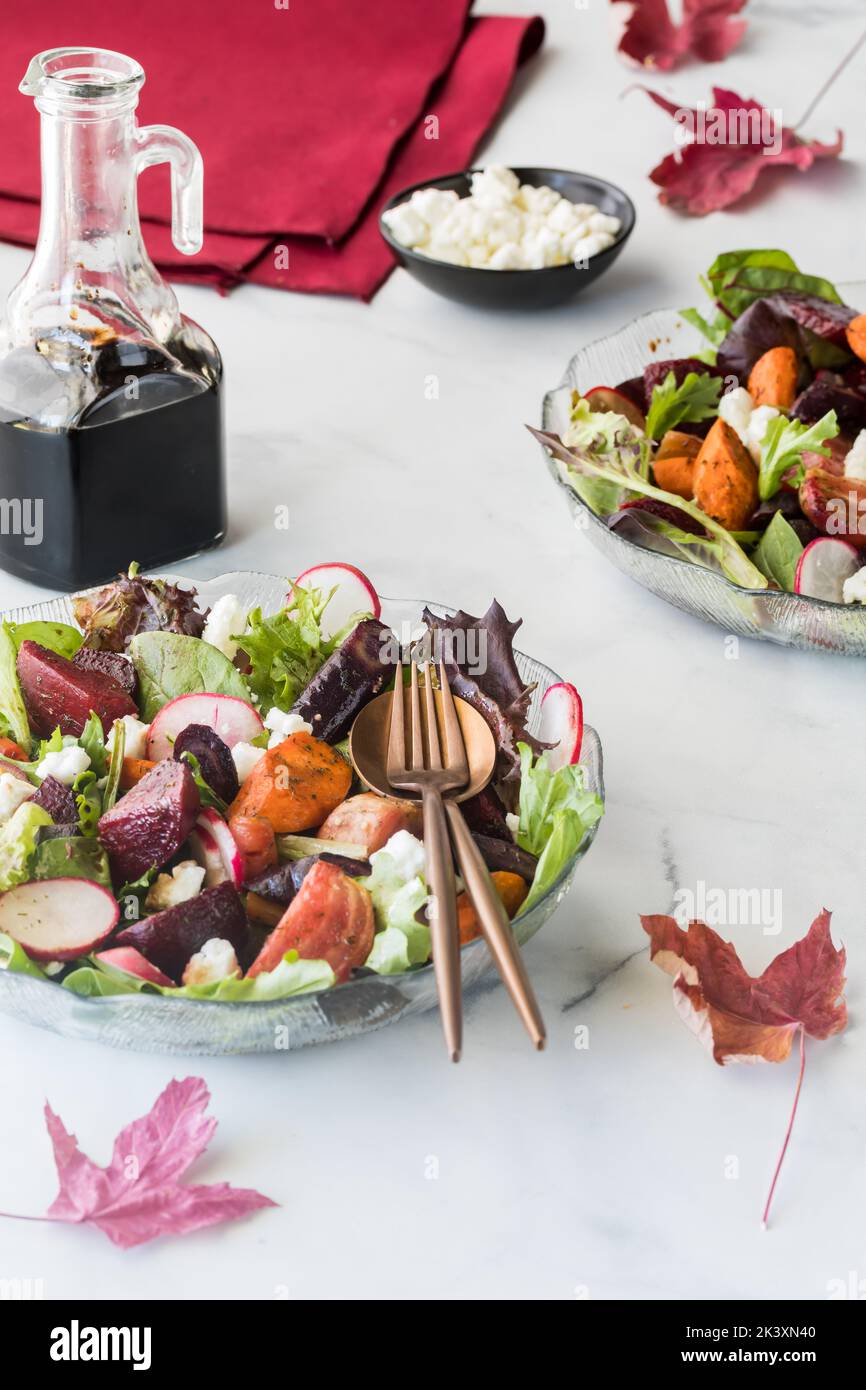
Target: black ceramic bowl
pixel 512 289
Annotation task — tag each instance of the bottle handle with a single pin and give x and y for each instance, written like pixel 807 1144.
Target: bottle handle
pixel 161 144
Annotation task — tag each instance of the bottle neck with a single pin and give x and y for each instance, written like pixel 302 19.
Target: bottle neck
pixel 90 269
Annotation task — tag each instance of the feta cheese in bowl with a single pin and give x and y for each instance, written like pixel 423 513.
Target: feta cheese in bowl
pixel 546 232
pixel 502 224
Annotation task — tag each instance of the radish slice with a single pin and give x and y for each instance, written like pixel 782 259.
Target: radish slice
pixel 213 846
pixel 824 566
pixel 562 724
pixel 58 918
pixel 132 962
pixel 607 400
pixel 234 720
pixel 355 594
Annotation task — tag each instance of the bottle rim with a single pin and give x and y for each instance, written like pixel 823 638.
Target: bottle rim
pixel 82 74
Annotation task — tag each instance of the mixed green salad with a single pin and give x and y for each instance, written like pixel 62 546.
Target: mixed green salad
pixel 179 814
pixel 748 458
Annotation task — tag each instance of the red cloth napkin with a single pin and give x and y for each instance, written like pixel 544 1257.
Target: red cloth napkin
pixel 301 145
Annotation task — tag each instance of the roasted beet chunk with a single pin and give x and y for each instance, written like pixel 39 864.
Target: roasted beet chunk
pixel 280 884
pixel 168 939
pixel 120 668
pixel 828 393
pixel 58 693
pixel 656 372
pixel 357 671
pixel 214 758
pixel 506 858
pixel 150 823
pixel 485 814
pixel 58 801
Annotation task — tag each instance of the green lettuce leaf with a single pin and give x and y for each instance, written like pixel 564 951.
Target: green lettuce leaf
pixel 16 960
pixel 556 811
pixel 18 843
pixel 115 766
pixel 57 637
pixel 73 856
pixel 737 278
pixel 783 446
pixel 695 400
pixel 92 740
pixel 778 552
pixel 286 650
pixel 88 802
pixel 13 715
pixel 170 664
pixel 291 976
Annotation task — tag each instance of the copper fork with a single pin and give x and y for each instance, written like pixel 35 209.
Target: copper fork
pixel 429 777
pixel 488 905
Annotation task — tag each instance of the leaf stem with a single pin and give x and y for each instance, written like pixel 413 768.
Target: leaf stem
pixel 766 1216
pixel 822 92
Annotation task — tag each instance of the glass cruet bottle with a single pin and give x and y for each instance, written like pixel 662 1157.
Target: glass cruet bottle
pixel 111 445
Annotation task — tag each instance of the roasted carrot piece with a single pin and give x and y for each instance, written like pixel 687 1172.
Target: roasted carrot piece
pixel 133 770
pixel 773 379
pixel 726 479
pixel 511 888
pixel 10 749
pixel 678 444
pixel 296 785
pixel 675 473
pixel 856 335
pixel 254 837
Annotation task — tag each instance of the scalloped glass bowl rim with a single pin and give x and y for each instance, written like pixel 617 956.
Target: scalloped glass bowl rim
pixel 819 604
pixel 161 1002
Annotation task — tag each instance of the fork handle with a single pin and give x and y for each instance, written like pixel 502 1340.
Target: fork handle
pixel 442 912
pixel 495 926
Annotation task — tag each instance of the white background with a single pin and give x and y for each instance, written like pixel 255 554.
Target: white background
pixel 596 1172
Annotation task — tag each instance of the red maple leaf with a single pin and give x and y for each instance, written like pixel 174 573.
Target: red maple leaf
pixel 741 1018
pixel 138 1196
pixel 708 31
pixel 732 142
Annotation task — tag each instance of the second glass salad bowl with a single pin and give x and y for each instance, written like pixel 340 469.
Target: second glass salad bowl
pixel 791 620
pixel 151 1023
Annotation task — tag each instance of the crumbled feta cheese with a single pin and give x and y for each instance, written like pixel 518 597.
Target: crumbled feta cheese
pixel 406 224
pixel 281 725
pixel 13 792
pixel 854 589
pixel 855 460
pixel 135 745
pixel 501 225
pixel 64 766
pixel 214 962
pixel 245 756
pixel 184 882
pixel 757 429
pixel 407 851
pixel 225 618
pixel 735 408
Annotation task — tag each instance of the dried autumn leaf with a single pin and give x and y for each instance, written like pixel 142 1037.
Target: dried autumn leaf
pixel 745 1019
pixel 708 31
pixel 739 140
pixel 138 1196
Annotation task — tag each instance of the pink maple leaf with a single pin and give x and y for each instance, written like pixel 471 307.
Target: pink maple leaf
pixel 138 1196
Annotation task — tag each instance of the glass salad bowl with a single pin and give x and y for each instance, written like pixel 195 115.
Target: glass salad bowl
pixel 152 1023
pixel 791 620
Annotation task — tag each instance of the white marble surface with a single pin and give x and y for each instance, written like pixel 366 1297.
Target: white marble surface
pixel 598 1172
